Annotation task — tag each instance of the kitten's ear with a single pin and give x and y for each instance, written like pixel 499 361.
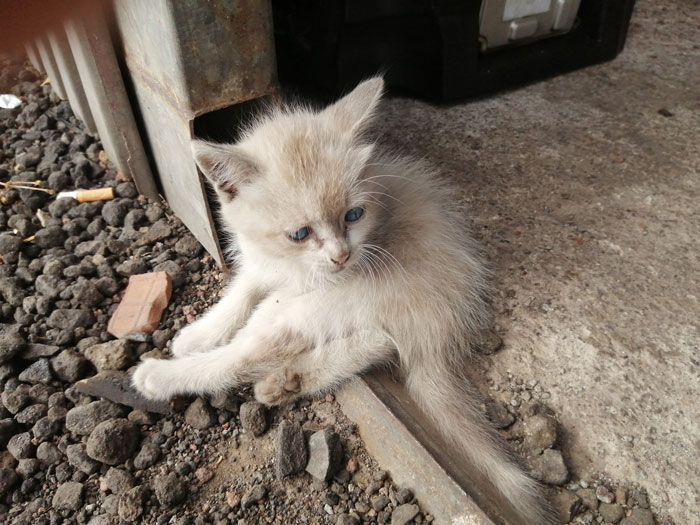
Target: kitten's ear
pixel 225 165
pixel 355 111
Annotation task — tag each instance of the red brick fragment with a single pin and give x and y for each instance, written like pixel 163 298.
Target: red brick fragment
pixel 146 297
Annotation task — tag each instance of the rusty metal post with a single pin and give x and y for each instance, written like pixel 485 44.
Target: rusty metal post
pixel 71 78
pixel 33 55
pixel 185 59
pixel 91 44
pixel 49 62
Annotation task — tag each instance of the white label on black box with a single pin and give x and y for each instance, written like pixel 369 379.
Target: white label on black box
pixel 522 8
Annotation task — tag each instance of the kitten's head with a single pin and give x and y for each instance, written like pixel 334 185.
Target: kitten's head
pixel 296 188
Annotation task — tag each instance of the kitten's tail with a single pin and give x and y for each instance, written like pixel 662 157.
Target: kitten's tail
pixel 448 401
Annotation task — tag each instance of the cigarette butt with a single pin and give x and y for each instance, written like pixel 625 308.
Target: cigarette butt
pixel 102 194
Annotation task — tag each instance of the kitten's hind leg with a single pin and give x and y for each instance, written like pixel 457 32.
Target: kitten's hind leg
pixel 217 326
pixel 324 367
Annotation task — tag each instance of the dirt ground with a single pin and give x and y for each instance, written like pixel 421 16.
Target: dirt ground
pixel 585 190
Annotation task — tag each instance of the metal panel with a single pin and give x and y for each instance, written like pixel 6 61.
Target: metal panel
pixel 49 62
pixel 91 45
pixel 33 55
pixel 186 59
pixel 393 429
pixel 71 78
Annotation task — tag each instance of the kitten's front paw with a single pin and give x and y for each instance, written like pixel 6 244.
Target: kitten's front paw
pixel 278 389
pixel 152 380
pixel 190 340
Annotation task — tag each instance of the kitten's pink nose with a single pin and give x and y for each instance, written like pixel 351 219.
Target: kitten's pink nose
pixel 340 259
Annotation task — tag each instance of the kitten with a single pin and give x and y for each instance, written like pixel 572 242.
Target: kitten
pixel 347 258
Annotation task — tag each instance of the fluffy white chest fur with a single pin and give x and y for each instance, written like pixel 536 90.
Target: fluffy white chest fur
pixel 347 258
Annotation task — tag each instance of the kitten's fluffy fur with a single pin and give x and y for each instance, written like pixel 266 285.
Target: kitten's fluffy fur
pixel 299 318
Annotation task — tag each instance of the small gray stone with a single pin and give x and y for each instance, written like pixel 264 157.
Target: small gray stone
pixel 112 355
pixel 603 494
pixel 37 372
pixel 347 519
pixel 639 517
pixel 87 294
pixel 117 480
pixel 21 446
pixel 48 454
pixel 325 454
pixel 116 386
pixel 49 286
pixel 188 246
pixel 46 427
pixel 140 417
pixel 35 351
pixel 253 417
pixel 403 514
pixel 16 400
pixel 173 269
pixel 159 231
pixel 50 237
pixel 549 467
pixel 379 502
pixel 79 459
pixel 28 467
pixel 225 400
pixel 69 366
pixel 11 342
pixel 611 512
pixel 70 319
pixel 113 442
pixel 255 494
pixel 31 414
pixel 8 479
pixel 132 267
pixel 291 455
pixel 404 496
pixel 111 505
pixel 69 496
pixel 83 419
pixel 539 432
pixel 199 415
pixel 9 243
pixel 12 290
pixel 588 498
pixel 131 504
pixel 113 212
pixel 147 456
pixel 169 489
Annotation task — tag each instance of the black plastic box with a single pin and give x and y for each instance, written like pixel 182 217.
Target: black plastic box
pixel 429 49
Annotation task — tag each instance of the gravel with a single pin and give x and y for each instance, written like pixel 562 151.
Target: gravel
pixel 68 496
pixel 253 417
pixel 200 415
pixel 291 455
pixel 325 454
pixel 83 419
pixel 113 441
pixel 72 456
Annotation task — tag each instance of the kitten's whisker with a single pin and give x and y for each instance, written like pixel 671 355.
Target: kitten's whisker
pixel 389 175
pixel 385 194
pixel 378 203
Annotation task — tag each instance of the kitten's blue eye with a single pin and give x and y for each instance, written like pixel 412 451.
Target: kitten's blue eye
pixel 300 234
pixel 354 214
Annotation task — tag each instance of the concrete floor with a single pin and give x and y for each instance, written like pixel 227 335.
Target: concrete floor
pixel 588 201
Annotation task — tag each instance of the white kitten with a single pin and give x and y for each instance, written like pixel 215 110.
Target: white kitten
pixel 347 258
